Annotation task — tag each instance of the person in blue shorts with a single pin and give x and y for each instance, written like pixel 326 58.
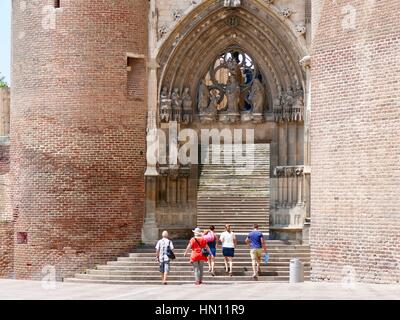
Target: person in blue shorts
pixel 211 239
pixel 256 241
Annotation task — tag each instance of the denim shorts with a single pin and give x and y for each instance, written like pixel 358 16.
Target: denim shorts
pixel 164 267
pixel 213 252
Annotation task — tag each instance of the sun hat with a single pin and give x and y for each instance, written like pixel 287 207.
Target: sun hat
pixel 197 231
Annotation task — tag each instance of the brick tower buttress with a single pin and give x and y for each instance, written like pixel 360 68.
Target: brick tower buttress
pixel 355 224
pixel 78 132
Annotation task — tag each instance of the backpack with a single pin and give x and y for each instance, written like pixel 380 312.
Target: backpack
pixel 204 251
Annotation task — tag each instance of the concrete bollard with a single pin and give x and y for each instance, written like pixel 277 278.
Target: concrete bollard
pixel 296 271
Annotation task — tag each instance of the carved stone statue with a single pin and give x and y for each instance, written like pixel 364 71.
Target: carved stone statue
pixel 288 99
pixel 203 97
pixel 298 106
pixel 165 105
pixel 213 106
pixel 176 105
pixel 232 3
pixel 233 94
pixel 187 99
pixel 257 96
pixel 187 106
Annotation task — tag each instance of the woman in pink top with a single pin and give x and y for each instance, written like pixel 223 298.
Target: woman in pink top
pixel 211 239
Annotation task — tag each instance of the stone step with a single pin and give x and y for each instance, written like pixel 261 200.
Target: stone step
pixel 237 193
pixel 232 186
pixel 249 200
pixel 188 272
pixel 281 265
pixel 215 172
pixel 234 206
pixel 180 259
pixel 235 227
pixel 179 278
pixel 235 224
pixel 226 215
pixel 230 213
pixel 237 263
pixel 245 257
pixel 181 246
pixel 272 252
pixel 219 182
pixel 155 282
pixel 239 203
pixel 240 172
pixel 238 231
pixel 187 268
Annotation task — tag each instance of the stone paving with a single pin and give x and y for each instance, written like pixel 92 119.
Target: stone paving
pixel 32 290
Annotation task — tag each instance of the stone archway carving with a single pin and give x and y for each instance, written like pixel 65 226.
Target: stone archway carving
pixel 211 28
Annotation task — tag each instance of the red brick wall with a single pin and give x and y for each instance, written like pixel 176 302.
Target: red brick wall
pixel 6 224
pixel 77 155
pixel 4 158
pixel 355 230
pixel 6 249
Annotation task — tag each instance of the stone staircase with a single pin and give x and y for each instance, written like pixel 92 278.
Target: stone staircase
pixel 228 193
pixel 140 266
pixel 237 193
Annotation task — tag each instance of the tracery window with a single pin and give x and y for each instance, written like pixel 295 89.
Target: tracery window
pixel 231 70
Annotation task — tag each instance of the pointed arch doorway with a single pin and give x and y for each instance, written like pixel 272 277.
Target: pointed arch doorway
pixel 213 68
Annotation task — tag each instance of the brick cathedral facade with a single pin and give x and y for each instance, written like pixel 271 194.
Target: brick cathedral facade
pixel 87 81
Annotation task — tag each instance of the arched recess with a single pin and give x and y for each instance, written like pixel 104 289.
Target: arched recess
pixel 210 28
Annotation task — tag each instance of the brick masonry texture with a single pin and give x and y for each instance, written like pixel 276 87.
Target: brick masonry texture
pixel 78 143
pixel 6 249
pixel 355 149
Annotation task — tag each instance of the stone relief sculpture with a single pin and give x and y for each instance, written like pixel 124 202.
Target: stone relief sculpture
pixel 298 106
pixel 233 90
pixel 165 106
pixel 257 96
pixel 289 106
pixel 187 106
pixel 288 100
pixel 213 106
pixel 203 97
pixel 176 105
pixel 232 3
pixel 233 94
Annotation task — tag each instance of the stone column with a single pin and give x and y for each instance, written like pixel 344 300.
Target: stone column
pixel 4 112
pixel 150 228
pixel 300 189
pixel 152 92
pixel 283 149
pixel 306 63
pixel 292 144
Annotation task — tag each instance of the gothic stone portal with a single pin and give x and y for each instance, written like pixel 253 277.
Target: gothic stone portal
pixel 225 66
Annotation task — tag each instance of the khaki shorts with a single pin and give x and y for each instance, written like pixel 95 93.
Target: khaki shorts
pixel 256 254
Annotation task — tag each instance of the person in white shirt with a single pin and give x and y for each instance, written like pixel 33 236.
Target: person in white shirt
pixel 162 257
pixel 229 242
